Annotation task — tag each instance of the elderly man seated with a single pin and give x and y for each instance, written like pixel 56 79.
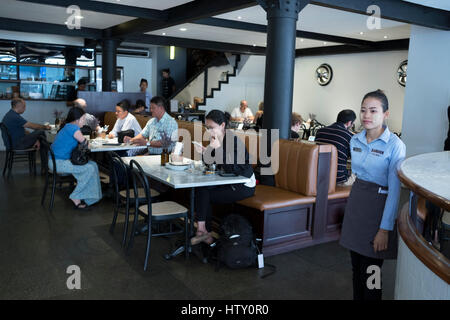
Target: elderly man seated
pixel 16 125
pixel 242 114
pixel 89 120
pixel 160 132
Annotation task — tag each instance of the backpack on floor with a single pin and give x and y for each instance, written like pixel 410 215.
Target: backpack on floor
pixel 236 247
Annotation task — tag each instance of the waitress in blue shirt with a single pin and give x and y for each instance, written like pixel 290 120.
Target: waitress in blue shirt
pixel 369 230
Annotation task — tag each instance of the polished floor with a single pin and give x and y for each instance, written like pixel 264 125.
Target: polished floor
pixel 36 249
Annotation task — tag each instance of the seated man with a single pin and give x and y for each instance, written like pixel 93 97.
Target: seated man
pixel 161 131
pixel 89 120
pixel 339 135
pixel 242 114
pixel 16 125
pixel 125 120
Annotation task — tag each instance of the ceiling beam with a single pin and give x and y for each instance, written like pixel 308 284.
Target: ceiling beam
pixel 197 44
pixel 180 14
pixel 239 25
pixel 396 10
pixel 390 45
pixel 50 28
pixel 105 7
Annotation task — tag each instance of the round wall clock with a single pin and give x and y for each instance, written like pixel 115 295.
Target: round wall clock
pixel 401 72
pixel 324 74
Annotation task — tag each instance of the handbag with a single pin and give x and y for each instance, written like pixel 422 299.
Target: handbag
pixel 126 133
pixel 80 155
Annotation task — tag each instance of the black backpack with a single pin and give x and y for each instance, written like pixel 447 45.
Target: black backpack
pixel 236 247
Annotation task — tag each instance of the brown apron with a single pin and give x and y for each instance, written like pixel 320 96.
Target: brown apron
pixel 362 220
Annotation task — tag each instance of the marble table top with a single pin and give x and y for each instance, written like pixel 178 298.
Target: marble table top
pixel 430 171
pixel 189 178
pixel 97 145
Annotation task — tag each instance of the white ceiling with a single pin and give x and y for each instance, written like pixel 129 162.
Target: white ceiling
pixel 150 4
pixel 50 14
pixel 312 18
pixel 202 32
pixel 329 21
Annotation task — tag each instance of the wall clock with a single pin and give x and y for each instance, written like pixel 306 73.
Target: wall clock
pixel 324 74
pixel 401 72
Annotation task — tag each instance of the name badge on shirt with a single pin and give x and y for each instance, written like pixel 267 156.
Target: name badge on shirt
pixel 377 152
pixel 357 149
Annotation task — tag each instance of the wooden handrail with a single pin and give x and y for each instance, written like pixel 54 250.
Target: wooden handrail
pixel 433 259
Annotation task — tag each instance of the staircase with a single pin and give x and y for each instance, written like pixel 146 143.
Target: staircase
pixel 209 80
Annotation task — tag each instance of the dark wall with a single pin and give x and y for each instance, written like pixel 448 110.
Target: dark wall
pixel 177 67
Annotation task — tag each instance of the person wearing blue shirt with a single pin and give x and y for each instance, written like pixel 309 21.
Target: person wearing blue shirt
pixel 88 190
pixel 16 125
pixel 369 226
pixel 161 131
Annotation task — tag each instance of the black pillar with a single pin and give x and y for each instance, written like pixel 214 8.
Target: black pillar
pixel 109 64
pixel 282 16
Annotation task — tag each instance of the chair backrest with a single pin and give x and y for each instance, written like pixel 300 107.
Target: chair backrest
pixel 119 170
pixel 7 140
pixel 140 179
pixel 46 145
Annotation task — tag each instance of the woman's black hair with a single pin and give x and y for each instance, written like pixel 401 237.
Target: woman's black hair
pixel 140 103
pixel 219 117
pixel 378 94
pixel 124 105
pixel 74 113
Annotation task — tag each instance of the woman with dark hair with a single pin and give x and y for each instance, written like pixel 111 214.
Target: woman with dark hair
pixel 369 228
pixel 225 150
pixel 88 190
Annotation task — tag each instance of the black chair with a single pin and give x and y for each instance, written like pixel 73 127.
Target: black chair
pixel 122 195
pixel 18 155
pixel 57 178
pixel 156 212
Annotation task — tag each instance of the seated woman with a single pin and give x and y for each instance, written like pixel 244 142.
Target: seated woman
pixel 88 190
pixel 226 160
pixel 125 120
pixel 258 119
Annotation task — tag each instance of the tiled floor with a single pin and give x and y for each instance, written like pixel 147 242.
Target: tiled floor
pixel 37 247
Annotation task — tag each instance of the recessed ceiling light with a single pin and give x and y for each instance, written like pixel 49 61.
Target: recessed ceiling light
pixel 79 17
pixel 183 29
pixel 361 32
pixel 324 43
pixel 254 45
pixel 163 33
pixel 239 17
pixel 385 37
pixel 301 40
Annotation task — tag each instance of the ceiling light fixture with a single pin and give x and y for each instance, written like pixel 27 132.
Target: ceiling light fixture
pixel 385 37
pixel 324 43
pixel 361 32
pixel 302 40
pixel 163 33
pixel 183 29
pixel 239 17
pixel 172 53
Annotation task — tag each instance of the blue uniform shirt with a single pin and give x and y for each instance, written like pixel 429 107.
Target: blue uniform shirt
pixel 15 124
pixel 377 162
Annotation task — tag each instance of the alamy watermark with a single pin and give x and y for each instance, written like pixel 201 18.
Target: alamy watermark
pixel 374 280
pixel 74 280
pixel 74 20
pixel 374 20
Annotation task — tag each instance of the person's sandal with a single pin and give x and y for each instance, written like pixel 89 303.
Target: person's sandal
pixel 79 206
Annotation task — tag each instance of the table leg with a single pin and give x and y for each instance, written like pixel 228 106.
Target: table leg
pixel 190 217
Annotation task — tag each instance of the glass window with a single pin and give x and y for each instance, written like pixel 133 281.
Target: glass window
pixel 7 51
